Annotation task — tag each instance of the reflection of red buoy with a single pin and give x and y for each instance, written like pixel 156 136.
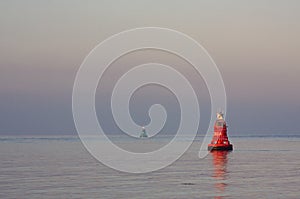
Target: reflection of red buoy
pixel 220 140
pixel 220 172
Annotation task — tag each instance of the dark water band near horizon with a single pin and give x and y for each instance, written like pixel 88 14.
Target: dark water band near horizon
pixel 60 167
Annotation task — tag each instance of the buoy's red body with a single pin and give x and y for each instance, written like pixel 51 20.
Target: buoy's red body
pixel 220 139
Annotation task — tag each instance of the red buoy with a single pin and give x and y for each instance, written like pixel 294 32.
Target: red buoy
pixel 220 140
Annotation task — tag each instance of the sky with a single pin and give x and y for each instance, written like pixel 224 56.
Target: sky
pixel 255 45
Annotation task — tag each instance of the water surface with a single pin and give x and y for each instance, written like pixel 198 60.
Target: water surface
pixel 60 167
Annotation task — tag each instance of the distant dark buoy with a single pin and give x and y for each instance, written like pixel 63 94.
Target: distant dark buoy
pixel 220 139
pixel 143 134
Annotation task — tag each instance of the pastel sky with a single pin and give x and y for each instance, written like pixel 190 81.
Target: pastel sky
pixel 255 44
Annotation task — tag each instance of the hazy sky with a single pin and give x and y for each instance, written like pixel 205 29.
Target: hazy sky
pixel 255 44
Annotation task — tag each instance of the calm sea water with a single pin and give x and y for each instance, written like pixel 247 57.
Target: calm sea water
pixel 60 167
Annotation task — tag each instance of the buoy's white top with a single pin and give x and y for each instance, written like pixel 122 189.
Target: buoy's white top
pixel 220 116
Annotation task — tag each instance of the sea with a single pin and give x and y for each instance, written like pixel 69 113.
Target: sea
pixel 45 167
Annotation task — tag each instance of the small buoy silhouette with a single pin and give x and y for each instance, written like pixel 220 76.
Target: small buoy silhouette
pixel 220 139
pixel 143 134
